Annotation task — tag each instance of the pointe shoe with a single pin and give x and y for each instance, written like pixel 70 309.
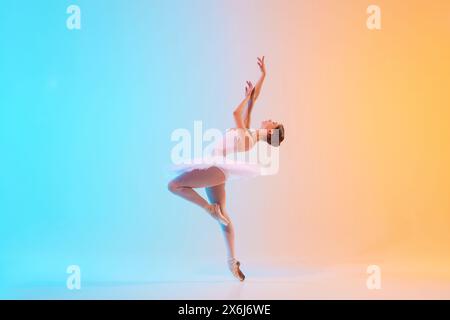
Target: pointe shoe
pixel 233 265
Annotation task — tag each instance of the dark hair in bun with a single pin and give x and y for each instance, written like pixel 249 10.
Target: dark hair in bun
pixel 276 137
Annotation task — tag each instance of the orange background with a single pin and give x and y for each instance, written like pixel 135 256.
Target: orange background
pixel 86 118
pixel 365 164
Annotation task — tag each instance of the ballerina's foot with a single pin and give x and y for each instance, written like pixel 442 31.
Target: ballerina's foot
pixel 216 213
pixel 233 265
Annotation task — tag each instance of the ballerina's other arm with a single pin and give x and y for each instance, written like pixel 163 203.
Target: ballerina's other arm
pixel 237 113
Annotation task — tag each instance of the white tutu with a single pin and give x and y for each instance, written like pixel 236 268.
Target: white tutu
pixel 227 155
pixel 232 169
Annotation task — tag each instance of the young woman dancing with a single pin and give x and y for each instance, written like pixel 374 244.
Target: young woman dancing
pixel 213 174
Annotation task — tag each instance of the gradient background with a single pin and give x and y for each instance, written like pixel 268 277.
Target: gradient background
pixel 86 118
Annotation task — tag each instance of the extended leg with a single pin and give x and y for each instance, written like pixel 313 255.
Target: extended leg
pixel 217 194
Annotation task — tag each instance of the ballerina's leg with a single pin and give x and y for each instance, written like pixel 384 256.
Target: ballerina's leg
pixel 184 186
pixel 217 194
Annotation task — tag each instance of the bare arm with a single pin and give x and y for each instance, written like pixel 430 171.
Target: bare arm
pixel 248 113
pixel 254 92
pixel 249 90
pixel 259 84
pixel 237 113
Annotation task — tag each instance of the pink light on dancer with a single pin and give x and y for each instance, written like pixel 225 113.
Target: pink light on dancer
pixel 214 171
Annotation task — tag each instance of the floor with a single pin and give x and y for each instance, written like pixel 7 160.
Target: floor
pixel 263 282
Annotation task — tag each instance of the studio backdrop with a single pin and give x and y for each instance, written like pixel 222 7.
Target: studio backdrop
pixel 87 114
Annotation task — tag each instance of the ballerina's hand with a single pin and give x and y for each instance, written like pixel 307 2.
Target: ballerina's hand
pixel 262 65
pixel 249 89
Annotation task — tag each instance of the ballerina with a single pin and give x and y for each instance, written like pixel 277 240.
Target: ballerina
pixel 213 174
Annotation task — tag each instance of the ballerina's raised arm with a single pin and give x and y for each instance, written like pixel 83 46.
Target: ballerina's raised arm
pixel 256 91
pixel 251 95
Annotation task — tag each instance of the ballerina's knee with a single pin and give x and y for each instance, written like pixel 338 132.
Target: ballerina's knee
pixel 174 186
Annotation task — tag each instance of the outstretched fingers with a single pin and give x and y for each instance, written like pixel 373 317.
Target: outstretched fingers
pixel 261 63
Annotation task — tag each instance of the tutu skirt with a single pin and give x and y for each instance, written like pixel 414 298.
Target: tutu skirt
pixel 232 169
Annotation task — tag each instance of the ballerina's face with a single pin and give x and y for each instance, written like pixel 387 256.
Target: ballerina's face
pixel 269 125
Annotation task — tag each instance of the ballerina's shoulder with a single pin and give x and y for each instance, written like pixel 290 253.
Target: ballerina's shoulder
pixel 244 138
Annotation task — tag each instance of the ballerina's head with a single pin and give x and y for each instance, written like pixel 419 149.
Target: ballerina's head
pixel 272 132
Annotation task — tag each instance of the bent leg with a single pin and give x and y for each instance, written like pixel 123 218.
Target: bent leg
pixel 184 184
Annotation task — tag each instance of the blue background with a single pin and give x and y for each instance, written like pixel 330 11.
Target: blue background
pixel 85 123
